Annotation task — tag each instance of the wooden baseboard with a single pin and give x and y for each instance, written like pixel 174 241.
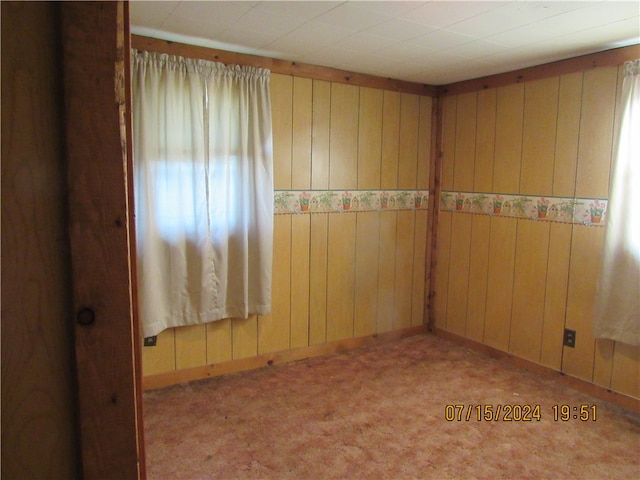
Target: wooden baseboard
pixel 175 377
pixel 598 391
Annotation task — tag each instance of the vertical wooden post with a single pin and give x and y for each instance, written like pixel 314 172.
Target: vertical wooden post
pixel 97 107
pixel 434 209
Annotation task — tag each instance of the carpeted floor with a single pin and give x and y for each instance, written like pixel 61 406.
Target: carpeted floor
pixel 380 413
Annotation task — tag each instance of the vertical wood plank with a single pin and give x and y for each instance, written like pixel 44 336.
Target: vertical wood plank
pixel 318 261
pixel 39 438
pixel 300 249
pixel 596 132
pixel 555 300
pixel 603 361
pixel 341 276
pixel 274 329
pixel 386 271
pixel 625 376
pixel 281 88
pixel 508 147
pixel 408 141
pixel 419 288
pixel 219 341
pixel 459 273
pixel 567 134
pixel 443 257
pixel 586 254
pixel 424 142
pixel 465 142
pixel 244 332
pixel 162 357
pixel 369 138
pixel 529 289
pixel 191 346
pixel 404 269
pixel 502 245
pixel 485 140
pixel 366 288
pixel 301 141
pixel 449 109
pixel 539 136
pixel 478 281
pixel 320 135
pixel 97 107
pixel 343 143
pixel 390 140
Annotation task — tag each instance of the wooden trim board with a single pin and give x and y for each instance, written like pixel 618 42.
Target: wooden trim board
pixel 94 36
pixel 603 393
pixel 161 380
pixel 614 57
pixel 281 66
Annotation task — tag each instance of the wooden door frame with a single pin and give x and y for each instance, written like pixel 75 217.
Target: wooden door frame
pixel 96 58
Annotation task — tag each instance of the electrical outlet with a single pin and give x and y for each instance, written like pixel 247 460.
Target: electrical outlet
pixel 569 339
pixel 150 341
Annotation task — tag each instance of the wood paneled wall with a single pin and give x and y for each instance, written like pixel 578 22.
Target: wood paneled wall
pixel 336 276
pixel 516 284
pixel 39 426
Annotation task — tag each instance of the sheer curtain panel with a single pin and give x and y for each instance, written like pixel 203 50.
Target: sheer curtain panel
pixel 203 189
pixel 617 310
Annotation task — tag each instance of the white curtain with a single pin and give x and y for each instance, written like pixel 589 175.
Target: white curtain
pixel 617 308
pixel 203 172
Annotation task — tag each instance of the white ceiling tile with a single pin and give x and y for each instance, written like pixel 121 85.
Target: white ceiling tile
pixel 349 15
pixel 443 14
pixel 476 49
pixel 406 40
pixel 150 14
pixel 365 42
pixel 391 9
pixel 400 29
pixel 303 9
pixel 442 39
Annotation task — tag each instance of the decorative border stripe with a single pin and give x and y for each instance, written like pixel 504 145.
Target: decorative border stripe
pixel 343 201
pixel 582 211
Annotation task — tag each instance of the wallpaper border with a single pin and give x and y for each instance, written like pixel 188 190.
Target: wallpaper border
pixel 581 211
pixel 346 201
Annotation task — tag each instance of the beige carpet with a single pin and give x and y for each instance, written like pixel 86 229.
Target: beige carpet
pixel 379 413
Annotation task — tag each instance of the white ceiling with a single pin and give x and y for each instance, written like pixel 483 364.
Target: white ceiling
pixel 432 42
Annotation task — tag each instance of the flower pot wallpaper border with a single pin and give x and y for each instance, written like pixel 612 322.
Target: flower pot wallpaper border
pixel 583 211
pixel 345 201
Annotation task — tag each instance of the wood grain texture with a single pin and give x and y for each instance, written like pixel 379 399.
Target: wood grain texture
pixel 343 144
pixel 478 277
pixel 539 136
pixel 390 140
pixel 281 88
pixel 567 134
pixel 96 126
pixel 485 141
pixel 341 276
pixel 302 118
pixel 596 132
pixel 39 437
pixel 370 138
pixel 502 246
pixel 318 263
pixel 386 271
pixel 300 279
pixel 274 330
pixel 508 146
pixel 529 289
pixel 458 288
pixel 321 119
pixel 465 142
pixel 403 287
pixel 366 288
pixel 408 141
